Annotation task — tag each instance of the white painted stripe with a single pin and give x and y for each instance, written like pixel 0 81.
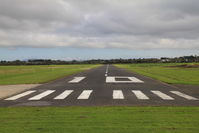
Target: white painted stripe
pixel 64 94
pixel 140 95
pixel 20 95
pixel 76 80
pixel 184 95
pixel 162 95
pixel 117 94
pixel 106 73
pixel 107 69
pixel 40 96
pixel 85 94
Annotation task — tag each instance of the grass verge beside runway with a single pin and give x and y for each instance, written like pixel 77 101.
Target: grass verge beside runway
pixel 99 119
pixel 166 72
pixel 35 74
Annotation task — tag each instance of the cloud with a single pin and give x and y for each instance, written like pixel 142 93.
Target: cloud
pixel 100 24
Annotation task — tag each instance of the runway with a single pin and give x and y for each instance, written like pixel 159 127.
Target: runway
pixel 106 85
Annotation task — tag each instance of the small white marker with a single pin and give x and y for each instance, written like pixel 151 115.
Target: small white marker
pixel 40 96
pixel 76 80
pixel 64 94
pixel 184 95
pixel 140 95
pixel 85 94
pixel 20 95
pixel 117 94
pixel 162 95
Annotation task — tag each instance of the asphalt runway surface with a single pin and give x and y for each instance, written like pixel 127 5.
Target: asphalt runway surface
pixel 106 85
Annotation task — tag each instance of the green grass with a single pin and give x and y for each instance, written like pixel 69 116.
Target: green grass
pixel 161 71
pixel 37 73
pixel 99 120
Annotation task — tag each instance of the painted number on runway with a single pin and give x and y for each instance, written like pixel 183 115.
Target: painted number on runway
pixel 122 79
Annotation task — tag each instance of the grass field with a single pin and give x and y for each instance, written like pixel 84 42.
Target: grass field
pixel 99 120
pixel 37 73
pixel 164 72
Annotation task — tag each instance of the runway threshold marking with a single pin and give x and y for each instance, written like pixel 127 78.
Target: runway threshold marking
pixel 118 94
pixel 184 95
pixel 20 95
pixel 85 94
pixel 140 95
pixel 76 79
pixel 64 94
pixel 41 95
pixel 162 95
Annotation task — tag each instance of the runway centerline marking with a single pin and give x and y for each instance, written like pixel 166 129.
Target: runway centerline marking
pixel 162 95
pixel 140 95
pixel 20 95
pixel 117 94
pixel 76 79
pixel 184 95
pixel 106 73
pixel 41 95
pixel 85 94
pixel 64 94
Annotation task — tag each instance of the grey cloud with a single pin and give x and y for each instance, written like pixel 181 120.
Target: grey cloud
pixel 42 10
pixel 100 24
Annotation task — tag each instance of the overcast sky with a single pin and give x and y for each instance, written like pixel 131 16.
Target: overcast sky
pixel 136 28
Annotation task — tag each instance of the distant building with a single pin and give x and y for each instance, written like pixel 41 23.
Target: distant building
pixel 165 59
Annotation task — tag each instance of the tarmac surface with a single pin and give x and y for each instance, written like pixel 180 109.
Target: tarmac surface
pixel 106 85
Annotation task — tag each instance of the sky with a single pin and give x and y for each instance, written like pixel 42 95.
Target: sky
pixel 92 29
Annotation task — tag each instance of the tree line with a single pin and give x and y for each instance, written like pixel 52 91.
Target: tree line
pixel 183 59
